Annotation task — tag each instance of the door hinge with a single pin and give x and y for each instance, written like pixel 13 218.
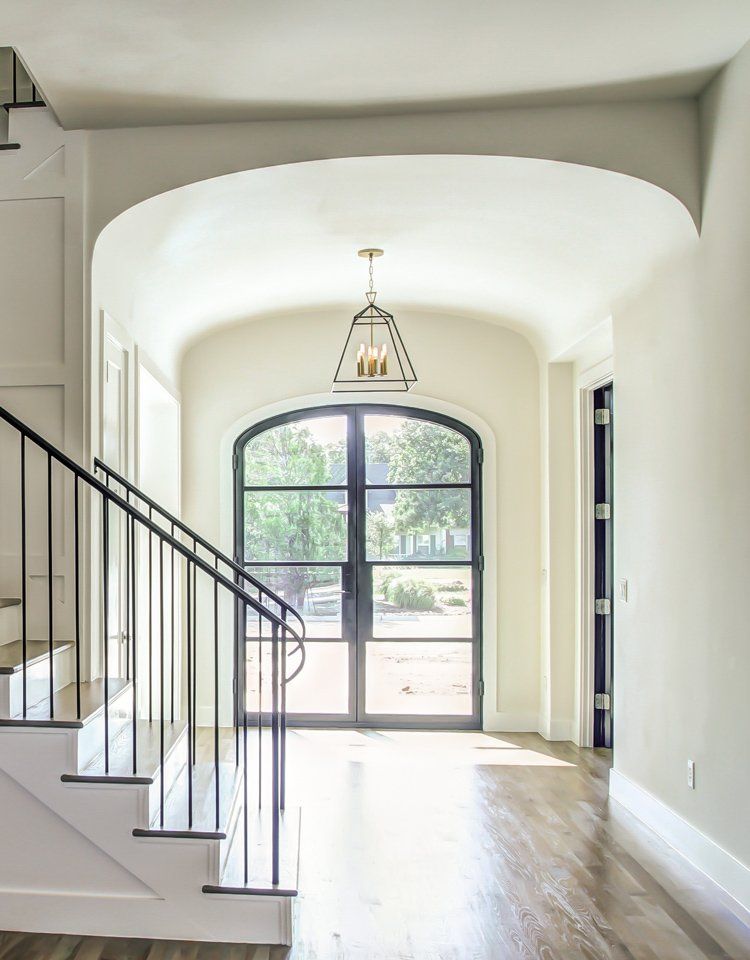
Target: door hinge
pixel 602 606
pixel 602 511
pixel 481 564
pixel 481 688
pixel 602 701
pixel 601 416
pixel 235 461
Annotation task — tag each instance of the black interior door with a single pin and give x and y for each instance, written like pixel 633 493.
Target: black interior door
pixel 603 566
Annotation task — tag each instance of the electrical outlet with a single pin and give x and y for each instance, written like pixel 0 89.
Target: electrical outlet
pixel 691 774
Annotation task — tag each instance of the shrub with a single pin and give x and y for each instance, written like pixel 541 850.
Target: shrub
pixel 410 594
pixel 452 586
pixel 453 601
pixel 387 580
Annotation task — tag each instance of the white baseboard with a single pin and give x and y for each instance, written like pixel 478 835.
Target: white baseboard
pixel 495 722
pixel 556 729
pixel 703 853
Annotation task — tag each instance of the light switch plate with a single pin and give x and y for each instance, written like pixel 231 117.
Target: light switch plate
pixel 622 590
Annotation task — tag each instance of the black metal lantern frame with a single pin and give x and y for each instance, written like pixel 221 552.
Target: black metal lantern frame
pixel 374 325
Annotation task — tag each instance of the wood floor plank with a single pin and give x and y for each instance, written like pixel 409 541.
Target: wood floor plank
pixel 434 847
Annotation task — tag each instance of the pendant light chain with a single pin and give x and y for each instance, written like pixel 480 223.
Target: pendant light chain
pixel 372 361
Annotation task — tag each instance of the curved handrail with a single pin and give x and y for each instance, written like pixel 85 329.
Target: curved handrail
pixel 214 551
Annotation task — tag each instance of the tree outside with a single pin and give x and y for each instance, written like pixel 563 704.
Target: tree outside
pixel 312 525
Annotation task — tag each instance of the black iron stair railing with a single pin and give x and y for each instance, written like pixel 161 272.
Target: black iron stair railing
pixel 74 494
pixel 20 79
pixel 242 577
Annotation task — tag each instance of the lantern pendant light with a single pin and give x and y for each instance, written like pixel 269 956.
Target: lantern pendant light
pixel 374 357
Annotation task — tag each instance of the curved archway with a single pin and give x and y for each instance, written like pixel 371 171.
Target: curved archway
pixel 367 518
pixel 543 247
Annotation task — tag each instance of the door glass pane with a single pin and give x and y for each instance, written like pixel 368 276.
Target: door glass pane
pixel 419 678
pixel 291 525
pixel 419 524
pixel 421 602
pixel 308 452
pixel 315 592
pixel 321 687
pixel 403 449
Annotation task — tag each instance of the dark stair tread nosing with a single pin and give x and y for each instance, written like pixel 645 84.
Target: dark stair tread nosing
pixel 104 778
pixel 10 146
pixel 22 105
pixel 269 891
pixel 9 602
pixel 33 722
pixel 180 834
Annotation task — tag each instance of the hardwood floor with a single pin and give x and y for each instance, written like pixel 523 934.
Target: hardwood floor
pixel 465 846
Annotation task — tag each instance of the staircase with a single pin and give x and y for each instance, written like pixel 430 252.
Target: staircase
pixel 17 92
pixel 142 800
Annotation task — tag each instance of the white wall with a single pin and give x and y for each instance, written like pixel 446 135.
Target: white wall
pixel 41 349
pixel 557 707
pixel 464 365
pixel 682 520
pixel 655 140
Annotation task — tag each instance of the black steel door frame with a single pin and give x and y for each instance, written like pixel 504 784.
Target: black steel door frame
pixel 356 575
pixel 603 569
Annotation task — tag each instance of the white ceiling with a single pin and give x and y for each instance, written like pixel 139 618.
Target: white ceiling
pixel 545 248
pixel 112 63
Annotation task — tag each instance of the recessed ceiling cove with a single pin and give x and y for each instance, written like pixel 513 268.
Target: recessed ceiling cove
pixel 542 247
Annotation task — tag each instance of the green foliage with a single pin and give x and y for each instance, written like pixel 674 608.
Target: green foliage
pixel 451 601
pixel 453 586
pixel 286 455
pixel 310 525
pixel 288 525
pixel 423 452
pixel 407 593
pixel 380 535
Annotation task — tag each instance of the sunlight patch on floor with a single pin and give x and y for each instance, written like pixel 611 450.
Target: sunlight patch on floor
pixel 452 748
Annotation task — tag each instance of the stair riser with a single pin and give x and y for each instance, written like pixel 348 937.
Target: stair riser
pixel 10 628
pixel 37 683
pixel 234 824
pixel 174 762
pixel 90 741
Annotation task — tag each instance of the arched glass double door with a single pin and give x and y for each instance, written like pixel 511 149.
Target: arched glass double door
pixel 366 518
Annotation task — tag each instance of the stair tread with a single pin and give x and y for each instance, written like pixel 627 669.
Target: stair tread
pixel 259 853
pixel 11 654
pixel 148 753
pixel 9 602
pixel 204 803
pixel 92 700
